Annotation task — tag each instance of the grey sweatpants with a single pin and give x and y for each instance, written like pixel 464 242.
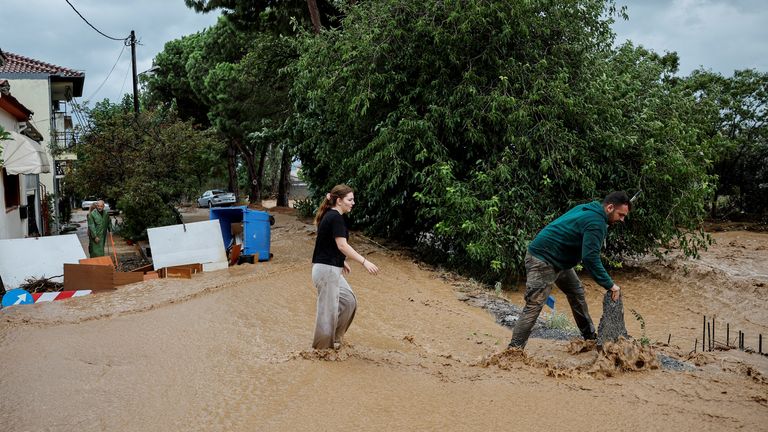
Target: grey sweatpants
pixel 336 305
pixel 540 276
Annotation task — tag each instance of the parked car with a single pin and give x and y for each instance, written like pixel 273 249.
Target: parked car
pixel 216 198
pixel 86 204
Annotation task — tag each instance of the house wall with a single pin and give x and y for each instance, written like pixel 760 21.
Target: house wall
pixel 35 93
pixel 11 226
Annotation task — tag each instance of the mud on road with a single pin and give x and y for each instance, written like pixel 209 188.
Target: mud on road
pixel 230 350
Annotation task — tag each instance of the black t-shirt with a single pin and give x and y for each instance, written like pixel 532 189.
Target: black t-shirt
pixel 332 225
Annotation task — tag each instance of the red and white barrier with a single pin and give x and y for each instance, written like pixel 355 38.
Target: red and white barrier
pixel 58 295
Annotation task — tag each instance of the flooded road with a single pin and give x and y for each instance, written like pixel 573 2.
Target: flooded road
pixel 230 351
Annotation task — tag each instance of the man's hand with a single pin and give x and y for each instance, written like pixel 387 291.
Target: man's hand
pixel 615 292
pixel 347 269
pixel 95 239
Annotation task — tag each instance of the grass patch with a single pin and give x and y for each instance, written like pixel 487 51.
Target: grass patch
pixel 559 321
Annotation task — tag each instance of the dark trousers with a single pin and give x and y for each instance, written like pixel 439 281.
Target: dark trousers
pixel 540 277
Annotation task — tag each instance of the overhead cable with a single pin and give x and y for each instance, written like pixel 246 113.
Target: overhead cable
pixel 97 30
pixel 108 75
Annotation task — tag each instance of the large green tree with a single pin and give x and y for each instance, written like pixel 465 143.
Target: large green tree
pixel 736 111
pixel 147 162
pixel 180 76
pixel 249 102
pixel 169 84
pixel 232 74
pixel 272 15
pixel 467 126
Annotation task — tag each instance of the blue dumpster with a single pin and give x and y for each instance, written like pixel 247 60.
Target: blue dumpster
pixel 256 231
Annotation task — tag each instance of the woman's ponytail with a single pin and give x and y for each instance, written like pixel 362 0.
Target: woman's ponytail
pixel 338 192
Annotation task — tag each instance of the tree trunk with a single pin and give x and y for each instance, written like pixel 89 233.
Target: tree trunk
pixel 314 13
pixel 285 178
pixel 260 173
pixel 232 168
pixel 254 197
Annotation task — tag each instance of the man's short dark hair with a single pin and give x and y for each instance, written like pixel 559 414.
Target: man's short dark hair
pixel 617 198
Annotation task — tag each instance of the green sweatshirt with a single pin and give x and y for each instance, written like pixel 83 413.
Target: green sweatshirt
pixel 577 235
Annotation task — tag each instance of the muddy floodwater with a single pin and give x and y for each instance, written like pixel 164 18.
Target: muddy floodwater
pixel 230 350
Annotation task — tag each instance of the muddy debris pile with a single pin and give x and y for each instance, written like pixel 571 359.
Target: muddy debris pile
pixel 510 358
pixel 624 355
pixel 612 359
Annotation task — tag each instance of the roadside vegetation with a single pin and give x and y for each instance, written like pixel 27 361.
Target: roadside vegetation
pixel 464 127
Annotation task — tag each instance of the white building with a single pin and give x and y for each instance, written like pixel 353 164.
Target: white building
pixel 47 90
pixel 23 160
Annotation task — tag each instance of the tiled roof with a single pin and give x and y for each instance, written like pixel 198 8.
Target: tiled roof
pixel 20 64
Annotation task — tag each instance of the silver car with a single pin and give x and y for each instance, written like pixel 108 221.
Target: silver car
pixel 86 203
pixel 216 198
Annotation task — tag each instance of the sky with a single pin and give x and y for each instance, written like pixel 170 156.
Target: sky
pixel 50 31
pixel 720 35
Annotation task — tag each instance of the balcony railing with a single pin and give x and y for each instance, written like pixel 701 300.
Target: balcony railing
pixel 65 140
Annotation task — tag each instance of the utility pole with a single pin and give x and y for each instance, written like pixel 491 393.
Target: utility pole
pixel 135 77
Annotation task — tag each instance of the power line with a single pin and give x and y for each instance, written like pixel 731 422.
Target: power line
pixel 109 74
pixel 97 30
pixel 125 78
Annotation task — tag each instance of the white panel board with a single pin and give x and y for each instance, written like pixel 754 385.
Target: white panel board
pixel 37 258
pixel 221 265
pixel 201 242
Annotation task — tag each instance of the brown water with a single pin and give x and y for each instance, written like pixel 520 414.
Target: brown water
pixel 729 283
pixel 230 351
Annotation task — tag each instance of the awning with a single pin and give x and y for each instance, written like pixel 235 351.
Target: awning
pixel 22 155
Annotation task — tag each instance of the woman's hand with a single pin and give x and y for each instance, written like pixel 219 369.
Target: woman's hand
pixel 350 253
pixel 371 267
pixel 347 269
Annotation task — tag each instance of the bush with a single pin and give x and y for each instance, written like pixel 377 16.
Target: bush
pixel 143 209
pixel 305 208
pixel 147 162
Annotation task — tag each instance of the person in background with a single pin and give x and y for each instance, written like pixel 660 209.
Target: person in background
pixel 98 227
pixel 577 236
pixel 336 303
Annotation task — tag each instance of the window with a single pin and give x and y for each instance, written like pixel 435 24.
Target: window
pixel 11 189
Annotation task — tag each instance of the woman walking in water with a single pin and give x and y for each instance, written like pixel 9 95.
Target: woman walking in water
pixel 336 303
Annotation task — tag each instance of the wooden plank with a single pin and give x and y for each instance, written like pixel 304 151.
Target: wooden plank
pixel 144 269
pixel 102 260
pixel 175 273
pixel 125 278
pixel 88 277
pixel 234 254
pixel 193 268
pixel 151 275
